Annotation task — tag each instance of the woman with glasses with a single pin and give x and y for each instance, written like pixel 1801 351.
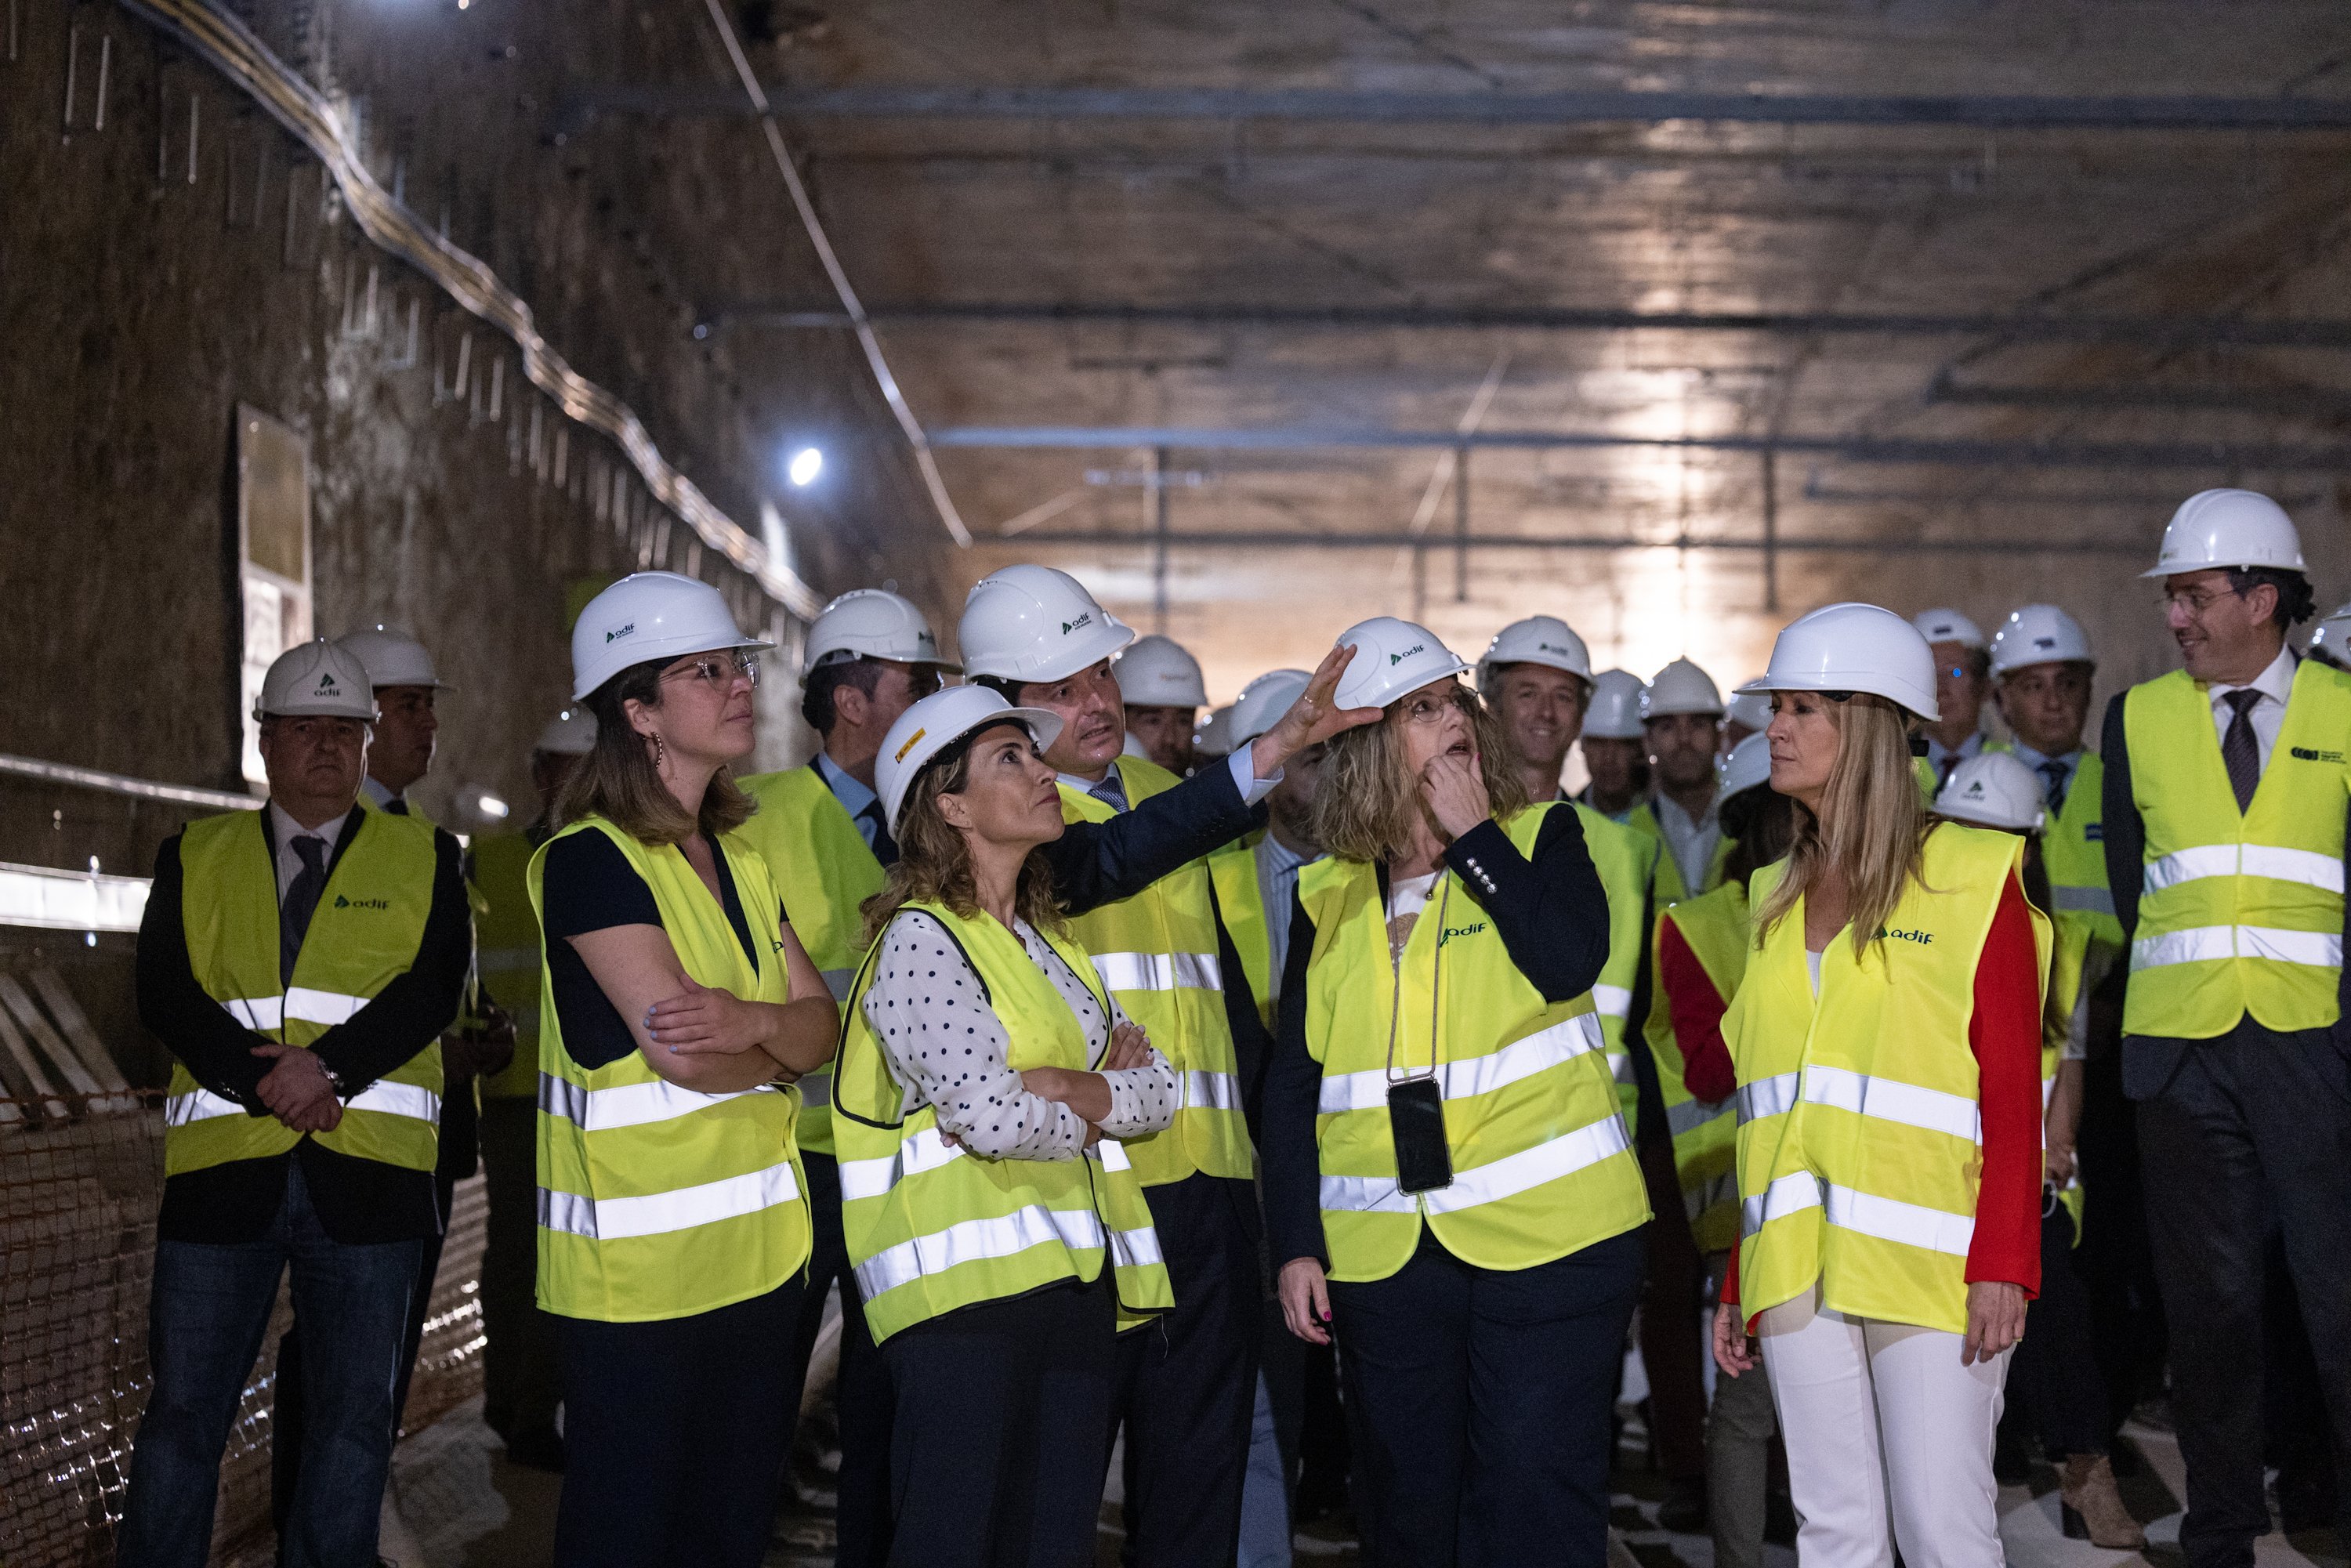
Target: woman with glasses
pixel 677 1008
pixel 1886 1038
pixel 1448 1185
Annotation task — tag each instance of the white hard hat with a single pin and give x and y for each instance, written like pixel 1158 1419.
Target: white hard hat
pixel 1615 710
pixel 1392 657
pixel 316 679
pixel 871 624
pixel 1853 648
pixel 1155 672
pixel 1213 737
pixel 571 733
pixel 2228 527
pixel 937 722
pixel 1993 789
pixel 1263 701
pixel 2038 635
pixel 1748 764
pixel 1680 687
pixel 391 656
pixel 649 616
pixel 1537 640
pixel 1949 626
pixel 1035 624
pixel 1752 709
pixel 2332 637
pixel 1133 746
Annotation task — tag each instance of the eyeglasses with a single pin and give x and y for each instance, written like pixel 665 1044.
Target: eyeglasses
pixel 719 672
pixel 1424 709
pixel 2195 600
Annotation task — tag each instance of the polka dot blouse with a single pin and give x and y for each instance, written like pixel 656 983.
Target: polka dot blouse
pixel 947 1050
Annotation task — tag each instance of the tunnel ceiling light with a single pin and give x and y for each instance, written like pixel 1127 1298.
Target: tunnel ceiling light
pixel 806 465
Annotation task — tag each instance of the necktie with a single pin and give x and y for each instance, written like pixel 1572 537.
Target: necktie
pixel 2238 749
pixel 300 903
pixel 885 848
pixel 2057 774
pixel 397 805
pixel 1110 791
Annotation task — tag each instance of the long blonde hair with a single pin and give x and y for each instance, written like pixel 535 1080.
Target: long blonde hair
pixel 1877 833
pixel 1365 801
pixel 933 863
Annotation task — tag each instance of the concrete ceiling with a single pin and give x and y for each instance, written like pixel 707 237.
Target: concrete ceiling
pixel 1282 255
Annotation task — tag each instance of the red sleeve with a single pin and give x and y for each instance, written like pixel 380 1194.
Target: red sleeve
pixel 1696 1009
pixel 2005 1034
pixel 1731 1275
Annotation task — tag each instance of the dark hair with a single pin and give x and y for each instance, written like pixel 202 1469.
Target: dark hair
pixel 816 693
pixel 1010 690
pixel 2296 601
pixel 933 863
pixel 619 781
pixel 1978 661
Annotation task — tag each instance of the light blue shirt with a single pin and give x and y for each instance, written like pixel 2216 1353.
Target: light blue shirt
pixel 854 798
pixel 1245 779
pixel 1278 866
pixel 2052 790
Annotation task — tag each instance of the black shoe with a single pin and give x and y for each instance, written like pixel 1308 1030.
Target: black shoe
pixel 2305 1496
pixel 1778 1519
pixel 1683 1511
pixel 537 1449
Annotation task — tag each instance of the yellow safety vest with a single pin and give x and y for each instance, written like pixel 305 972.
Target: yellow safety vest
pixel 1625 857
pixel 657 1201
pixel 369 925
pixel 1860 1120
pixel 1240 902
pixel 506 954
pixel 2073 848
pixel 1704 1133
pixel 824 869
pixel 1930 778
pixel 1157 951
pixel 932 1228
pixel 1667 887
pixel 1542 1166
pixel 2240 913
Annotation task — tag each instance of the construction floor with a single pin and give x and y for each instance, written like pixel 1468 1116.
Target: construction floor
pixel 470 1509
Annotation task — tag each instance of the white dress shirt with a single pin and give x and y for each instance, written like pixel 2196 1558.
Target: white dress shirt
pixel 2275 684
pixel 284 829
pixel 1691 842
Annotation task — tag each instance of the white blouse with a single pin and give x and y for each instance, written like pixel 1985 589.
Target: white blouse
pixel 947 1050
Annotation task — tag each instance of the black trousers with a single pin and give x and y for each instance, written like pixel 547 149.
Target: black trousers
pixel 861 1392
pixel 2054 1380
pixel 1483 1396
pixel 522 1375
pixel 2249 1130
pixel 674 1433
pixel 1003 1411
pixel 1187 1382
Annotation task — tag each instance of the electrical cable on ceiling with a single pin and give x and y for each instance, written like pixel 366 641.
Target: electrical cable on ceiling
pixel 858 320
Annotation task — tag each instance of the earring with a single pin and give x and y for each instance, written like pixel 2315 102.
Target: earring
pixel 661 755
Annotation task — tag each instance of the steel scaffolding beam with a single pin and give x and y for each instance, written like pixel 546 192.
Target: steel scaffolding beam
pixel 1261 539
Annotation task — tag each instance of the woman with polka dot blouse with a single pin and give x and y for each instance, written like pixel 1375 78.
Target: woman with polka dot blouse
pixel 997 1231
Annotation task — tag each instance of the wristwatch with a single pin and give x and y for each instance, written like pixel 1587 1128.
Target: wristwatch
pixel 335 1078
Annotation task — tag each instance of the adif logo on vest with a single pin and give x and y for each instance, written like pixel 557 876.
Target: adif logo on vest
pixel 1921 938
pixel 343 902
pixel 1395 659
pixel 1086 619
pixel 1450 932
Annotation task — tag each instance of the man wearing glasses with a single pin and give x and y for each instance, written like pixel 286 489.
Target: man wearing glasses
pixel 1962 681
pixel 870 655
pixel 2225 813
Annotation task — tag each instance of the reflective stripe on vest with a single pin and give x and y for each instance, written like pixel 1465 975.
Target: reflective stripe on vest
pixel 1713 927
pixel 1859 1142
pixel 365 932
pixel 1542 1158
pixel 2241 911
pixel 1157 951
pixel 825 870
pixel 657 1201
pixel 930 1230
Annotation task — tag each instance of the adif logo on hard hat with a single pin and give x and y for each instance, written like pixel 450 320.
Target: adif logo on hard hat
pixel 1975 789
pixel 1085 619
pixel 617 632
pixel 924 639
pixel 2044 642
pixel 1547 648
pixel 911 741
pixel 1395 659
pixel 327 688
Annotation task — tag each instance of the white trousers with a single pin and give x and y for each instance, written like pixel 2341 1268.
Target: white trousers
pixel 1889 1440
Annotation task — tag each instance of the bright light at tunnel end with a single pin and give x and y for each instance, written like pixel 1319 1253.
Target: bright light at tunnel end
pixel 806 465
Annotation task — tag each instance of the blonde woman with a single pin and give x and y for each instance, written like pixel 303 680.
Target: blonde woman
pixel 1448 1183
pixel 1887 1038
pixel 672 1223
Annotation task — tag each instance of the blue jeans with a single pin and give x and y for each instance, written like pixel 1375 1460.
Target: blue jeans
pixel 206 1321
